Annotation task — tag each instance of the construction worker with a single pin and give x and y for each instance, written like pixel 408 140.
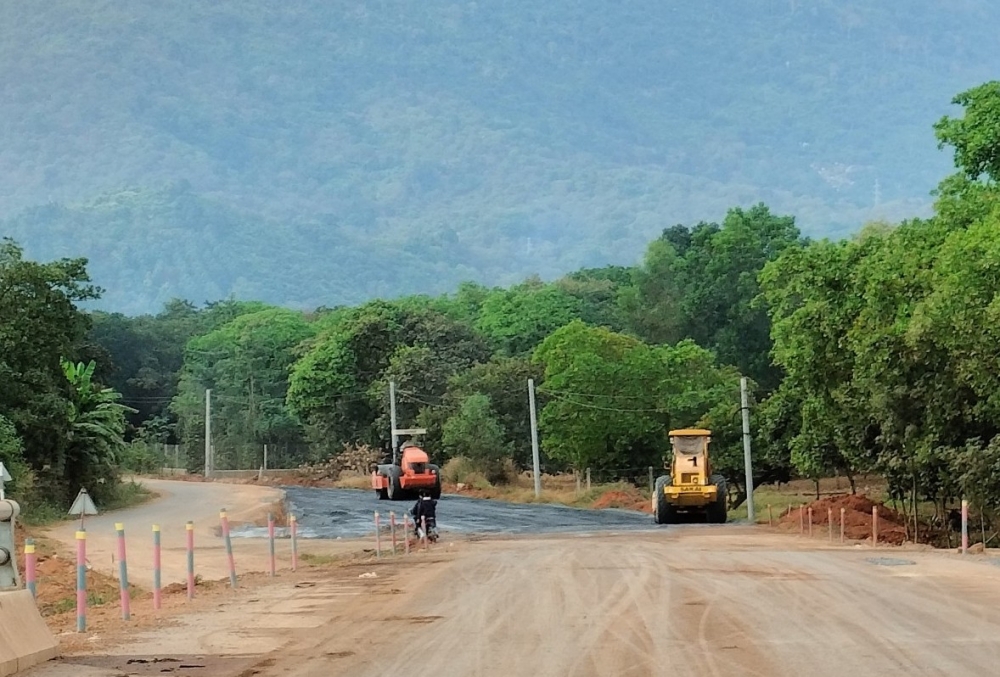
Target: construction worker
pixel 425 507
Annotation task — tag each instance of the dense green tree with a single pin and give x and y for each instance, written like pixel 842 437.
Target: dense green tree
pixel 339 387
pixel 976 135
pixel 516 320
pixel 246 364
pixel 613 398
pixel 40 325
pixel 700 283
pixel 475 433
pixel 96 433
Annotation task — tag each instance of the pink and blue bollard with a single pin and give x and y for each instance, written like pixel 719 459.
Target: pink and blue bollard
pixel 190 559
pixel 123 572
pixel 157 568
pixel 229 547
pixel 81 581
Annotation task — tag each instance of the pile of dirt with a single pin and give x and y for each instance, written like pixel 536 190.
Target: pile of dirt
pixel 857 518
pixel 358 460
pixel 626 500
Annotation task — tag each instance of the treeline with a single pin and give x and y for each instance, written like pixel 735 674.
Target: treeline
pixel 620 354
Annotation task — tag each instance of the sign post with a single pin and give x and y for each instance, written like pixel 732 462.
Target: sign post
pixel 83 505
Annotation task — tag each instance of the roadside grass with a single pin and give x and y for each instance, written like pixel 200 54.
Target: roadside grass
pixel 354 482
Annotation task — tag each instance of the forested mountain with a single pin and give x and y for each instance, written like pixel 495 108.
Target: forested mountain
pixel 323 152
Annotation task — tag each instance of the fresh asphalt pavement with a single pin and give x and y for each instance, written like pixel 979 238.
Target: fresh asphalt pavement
pixel 349 513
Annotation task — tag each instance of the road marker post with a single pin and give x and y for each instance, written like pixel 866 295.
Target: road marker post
pixel 770 517
pixel 229 547
pixel 378 536
pixel 406 533
pixel 874 526
pixel 423 526
pixel 190 558
pixel 810 521
pixel 843 512
pixel 965 526
pixel 157 567
pixel 30 563
pixel 802 519
pixel 295 542
pixel 829 522
pixel 123 572
pixel 392 529
pixel 270 541
pixel 81 581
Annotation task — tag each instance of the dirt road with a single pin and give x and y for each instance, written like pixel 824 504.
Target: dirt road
pixel 680 601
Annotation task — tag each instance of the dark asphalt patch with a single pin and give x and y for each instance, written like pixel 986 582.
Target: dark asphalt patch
pixel 350 513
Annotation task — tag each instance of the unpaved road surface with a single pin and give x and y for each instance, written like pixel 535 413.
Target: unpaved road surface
pixel 333 513
pixel 730 600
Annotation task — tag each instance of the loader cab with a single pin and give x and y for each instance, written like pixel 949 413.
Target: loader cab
pixel 690 464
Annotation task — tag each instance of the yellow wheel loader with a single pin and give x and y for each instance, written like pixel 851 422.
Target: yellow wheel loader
pixel 690 488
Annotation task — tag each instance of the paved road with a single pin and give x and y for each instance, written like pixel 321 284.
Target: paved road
pixel 347 513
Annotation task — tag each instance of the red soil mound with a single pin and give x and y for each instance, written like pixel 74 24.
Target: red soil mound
pixel 857 518
pixel 624 500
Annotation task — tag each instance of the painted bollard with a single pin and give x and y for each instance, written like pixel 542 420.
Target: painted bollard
pixel 392 530
pixel 802 519
pixel 423 529
pixel 30 565
pixel 874 525
pixel 157 567
pixel 229 547
pixel 829 522
pixel 190 559
pixel 965 527
pixel 378 536
pixel 406 533
pixel 81 581
pixel 295 544
pixel 843 512
pixel 810 522
pixel 123 572
pixel 270 541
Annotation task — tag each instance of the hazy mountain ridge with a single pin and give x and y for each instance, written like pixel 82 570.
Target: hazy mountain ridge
pixel 486 141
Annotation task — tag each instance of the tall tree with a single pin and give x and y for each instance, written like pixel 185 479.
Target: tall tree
pixel 40 325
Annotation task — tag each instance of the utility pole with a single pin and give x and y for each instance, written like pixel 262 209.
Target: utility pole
pixel 208 433
pixel 746 449
pixel 534 438
pixel 392 419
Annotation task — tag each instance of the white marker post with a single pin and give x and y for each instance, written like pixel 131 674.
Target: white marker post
pixel 4 478
pixel 83 505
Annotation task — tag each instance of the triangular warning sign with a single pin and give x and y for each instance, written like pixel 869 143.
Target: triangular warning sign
pixel 83 505
pixel 4 475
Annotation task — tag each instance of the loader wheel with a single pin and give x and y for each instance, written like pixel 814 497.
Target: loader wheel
pixel 395 491
pixel 663 512
pixel 717 512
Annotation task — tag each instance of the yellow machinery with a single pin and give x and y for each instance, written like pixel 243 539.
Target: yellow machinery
pixel 690 487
